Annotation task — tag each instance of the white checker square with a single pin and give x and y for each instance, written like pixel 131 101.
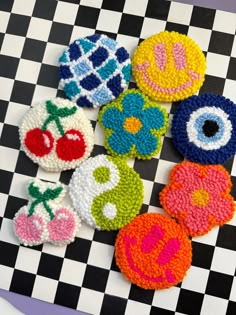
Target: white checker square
pixel 147 191
pixel 28 259
pixel 108 21
pixel 233 291
pixel 49 176
pixel 229 89
pixel 42 93
pixel 117 285
pixel 8 158
pixel 19 186
pixel 163 170
pixel 12 45
pixel 196 279
pixel 3 203
pixel 130 43
pixel 152 209
pixel 54 250
pixel 217 65
pixel 86 231
pixel 66 13
pixel 6 274
pixel 28 71
pixel 91 114
pixel 180 13
pixel 213 305
pixel 39 29
pixel 201 36
pixel 15 113
pixel 99 135
pixel 24 7
pixel 100 255
pixel 6 233
pixel 224 261
pixel 233 52
pixel 224 22
pixel 137 7
pixel 72 272
pixel 149 25
pixel 137 308
pixel 166 299
pixel 79 32
pixel 6 86
pixel 92 3
pixel 52 53
pixel 1 126
pixel 44 289
pixel 85 304
pixel 4 18
pixel 209 238
pixel 168 132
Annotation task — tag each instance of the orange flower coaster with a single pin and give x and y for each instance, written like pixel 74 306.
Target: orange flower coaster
pixel 198 196
pixel 153 251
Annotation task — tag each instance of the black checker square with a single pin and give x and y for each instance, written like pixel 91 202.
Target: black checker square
pixel 221 43
pixel 59 29
pixel 50 266
pixel 95 278
pixel 18 24
pixel 33 49
pixel 22 282
pixel 219 285
pixel 67 295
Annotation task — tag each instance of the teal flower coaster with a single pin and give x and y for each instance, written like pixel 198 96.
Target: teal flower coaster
pixel 133 125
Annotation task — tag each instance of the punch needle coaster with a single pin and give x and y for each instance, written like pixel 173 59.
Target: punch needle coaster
pixel 169 66
pixel 46 218
pixel 153 251
pixel 204 129
pixel 133 125
pixel 57 135
pixel 198 196
pixel 94 70
pixel 106 192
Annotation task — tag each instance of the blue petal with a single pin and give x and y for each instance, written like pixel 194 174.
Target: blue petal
pixel 132 104
pixel 121 142
pixel 153 118
pixel 146 143
pixel 113 118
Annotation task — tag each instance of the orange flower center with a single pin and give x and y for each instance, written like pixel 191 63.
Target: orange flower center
pixel 200 198
pixel 132 124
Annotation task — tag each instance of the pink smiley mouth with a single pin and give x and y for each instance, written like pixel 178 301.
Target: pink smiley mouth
pixel 143 68
pixel 132 241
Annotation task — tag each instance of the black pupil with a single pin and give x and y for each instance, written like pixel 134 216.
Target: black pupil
pixel 210 128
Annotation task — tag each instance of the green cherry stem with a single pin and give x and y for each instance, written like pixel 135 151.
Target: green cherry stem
pixel 48 209
pixel 32 207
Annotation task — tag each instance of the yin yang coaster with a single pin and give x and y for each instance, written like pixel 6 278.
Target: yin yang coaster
pixel 46 218
pixel 94 70
pixel 169 66
pixel 57 135
pixel 204 129
pixel 153 251
pixel 106 192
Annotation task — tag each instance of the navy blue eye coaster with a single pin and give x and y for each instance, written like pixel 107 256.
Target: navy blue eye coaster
pixel 204 129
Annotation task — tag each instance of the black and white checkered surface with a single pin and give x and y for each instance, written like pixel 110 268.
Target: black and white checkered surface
pixel 84 275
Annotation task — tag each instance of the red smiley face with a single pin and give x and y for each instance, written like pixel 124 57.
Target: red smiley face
pixel 153 251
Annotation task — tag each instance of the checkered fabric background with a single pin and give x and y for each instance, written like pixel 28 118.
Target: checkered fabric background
pixel 84 275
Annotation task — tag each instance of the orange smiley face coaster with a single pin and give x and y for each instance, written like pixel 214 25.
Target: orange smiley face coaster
pixel 169 66
pixel 153 251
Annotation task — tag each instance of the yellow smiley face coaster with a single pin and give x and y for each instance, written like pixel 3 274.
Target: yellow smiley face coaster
pixel 169 66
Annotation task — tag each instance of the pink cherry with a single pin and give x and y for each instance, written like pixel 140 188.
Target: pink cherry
pixel 29 229
pixel 62 227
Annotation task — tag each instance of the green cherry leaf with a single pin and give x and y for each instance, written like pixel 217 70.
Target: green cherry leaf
pixel 65 112
pixel 51 194
pixel 51 108
pixel 34 191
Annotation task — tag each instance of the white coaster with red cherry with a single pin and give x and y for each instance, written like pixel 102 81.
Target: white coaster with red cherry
pixel 46 218
pixel 57 135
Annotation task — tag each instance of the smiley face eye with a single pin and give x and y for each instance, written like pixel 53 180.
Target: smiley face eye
pixel 160 56
pixel 179 56
pixel 151 239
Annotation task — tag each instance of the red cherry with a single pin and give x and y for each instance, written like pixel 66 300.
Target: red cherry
pixel 39 142
pixel 71 146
